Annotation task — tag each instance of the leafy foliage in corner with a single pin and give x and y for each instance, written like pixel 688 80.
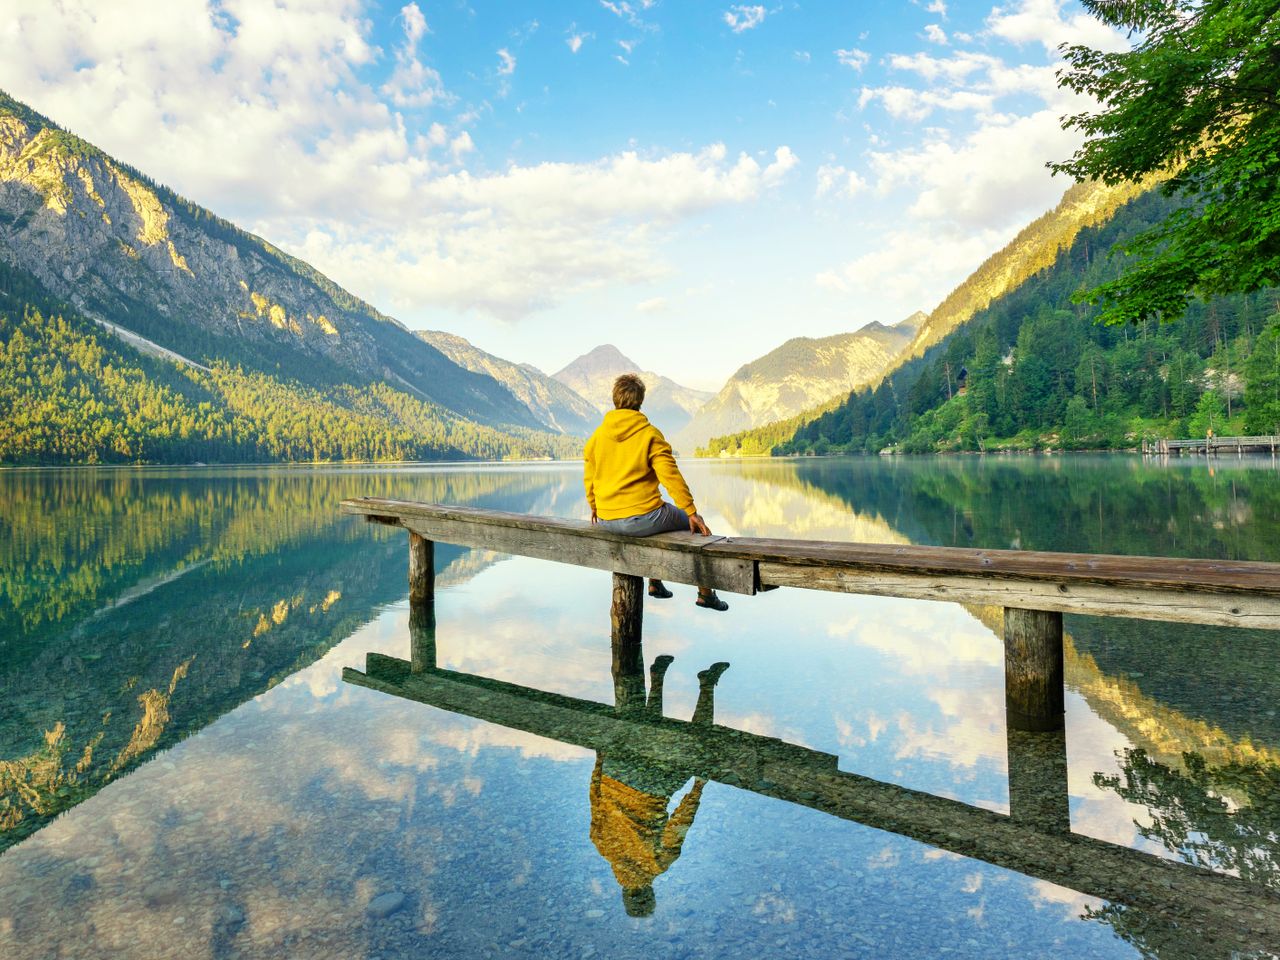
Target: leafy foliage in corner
pixel 1198 95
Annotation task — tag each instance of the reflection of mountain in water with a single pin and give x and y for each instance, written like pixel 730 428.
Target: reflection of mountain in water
pixel 772 498
pixel 1077 504
pixel 136 607
pixel 1204 758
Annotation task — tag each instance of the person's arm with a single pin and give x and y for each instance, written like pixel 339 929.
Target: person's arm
pixel 664 465
pixel 589 475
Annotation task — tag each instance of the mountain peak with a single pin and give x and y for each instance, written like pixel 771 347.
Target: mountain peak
pixel 602 360
pixel 666 402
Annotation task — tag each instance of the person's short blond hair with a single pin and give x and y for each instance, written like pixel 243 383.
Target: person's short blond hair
pixel 628 392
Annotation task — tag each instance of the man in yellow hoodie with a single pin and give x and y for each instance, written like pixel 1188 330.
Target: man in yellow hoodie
pixel 625 460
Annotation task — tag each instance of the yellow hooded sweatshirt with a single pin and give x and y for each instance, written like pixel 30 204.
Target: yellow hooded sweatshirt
pixel 625 460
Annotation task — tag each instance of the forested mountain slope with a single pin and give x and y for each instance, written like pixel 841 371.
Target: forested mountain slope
pixel 802 373
pixel 554 405
pixel 103 273
pixel 1032 369
pixel 70 392
pixel 1035 248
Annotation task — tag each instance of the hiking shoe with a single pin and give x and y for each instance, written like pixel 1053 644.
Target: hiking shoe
pixel 711 602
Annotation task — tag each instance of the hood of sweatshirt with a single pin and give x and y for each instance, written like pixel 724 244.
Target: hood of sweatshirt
pixel 623 424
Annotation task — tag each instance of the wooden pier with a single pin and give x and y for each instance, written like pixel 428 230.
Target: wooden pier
pixel 1221 916
pixel 1035 588
pixel 1212 446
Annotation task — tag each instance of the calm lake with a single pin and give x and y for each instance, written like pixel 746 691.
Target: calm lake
pixel 185 773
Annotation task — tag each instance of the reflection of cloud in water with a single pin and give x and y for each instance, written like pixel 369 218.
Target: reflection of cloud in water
pixel 1071 902
pixel 922 638
pixel 478 736
pixel 969 731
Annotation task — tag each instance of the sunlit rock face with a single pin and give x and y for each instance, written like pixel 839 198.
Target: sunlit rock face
pixel 801 374
pixel 556 406
pixel 122 249
pixel 667 404
pixel 1035 248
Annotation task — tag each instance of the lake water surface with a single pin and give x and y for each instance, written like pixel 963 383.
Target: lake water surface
pixel 185 773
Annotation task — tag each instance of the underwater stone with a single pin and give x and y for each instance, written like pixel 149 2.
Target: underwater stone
pixel 386 904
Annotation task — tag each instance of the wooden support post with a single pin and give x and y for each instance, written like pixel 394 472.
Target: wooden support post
pixel 1033 692
pixel 1038 780
pixel 422 637
pixel 626 616
pixel 422 570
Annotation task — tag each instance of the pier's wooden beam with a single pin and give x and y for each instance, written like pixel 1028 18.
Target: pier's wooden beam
pixel 1217 592
pixel 1177 606
pixel 678 557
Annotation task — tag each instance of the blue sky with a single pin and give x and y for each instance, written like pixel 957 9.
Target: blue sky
pixel 693 182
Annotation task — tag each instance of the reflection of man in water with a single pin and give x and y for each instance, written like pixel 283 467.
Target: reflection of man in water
pixel 630 824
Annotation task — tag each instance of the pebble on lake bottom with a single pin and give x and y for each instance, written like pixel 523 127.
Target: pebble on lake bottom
pixel 386 904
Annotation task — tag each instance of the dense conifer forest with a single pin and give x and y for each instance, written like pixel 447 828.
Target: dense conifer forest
pixel 70 392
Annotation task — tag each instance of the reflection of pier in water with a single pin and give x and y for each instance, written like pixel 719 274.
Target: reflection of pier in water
pixel 1204 913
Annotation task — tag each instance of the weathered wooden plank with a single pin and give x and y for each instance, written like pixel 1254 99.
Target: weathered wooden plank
pixel 1178 606
pixel 679 557
pixel 401 510
pixel 1241 915
pixel 1172 573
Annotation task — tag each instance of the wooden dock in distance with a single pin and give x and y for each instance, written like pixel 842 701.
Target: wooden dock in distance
pixel 1034 587
pixel 1212 446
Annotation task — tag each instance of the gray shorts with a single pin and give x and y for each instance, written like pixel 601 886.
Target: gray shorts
pixel 661 519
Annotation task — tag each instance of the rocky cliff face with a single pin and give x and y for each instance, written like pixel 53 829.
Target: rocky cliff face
pixel 123 249
pixel 555 405
pixel 667 404
pixel 801 374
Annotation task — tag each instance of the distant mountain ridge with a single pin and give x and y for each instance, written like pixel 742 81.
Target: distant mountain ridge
pixel 555 406
pixel 801 374
pixel 668 404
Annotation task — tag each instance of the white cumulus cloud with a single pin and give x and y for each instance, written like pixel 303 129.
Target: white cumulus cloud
pixel 742 17
pixel 415 24
pixel 1043 22
pixel 853 57
pixel 836 180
